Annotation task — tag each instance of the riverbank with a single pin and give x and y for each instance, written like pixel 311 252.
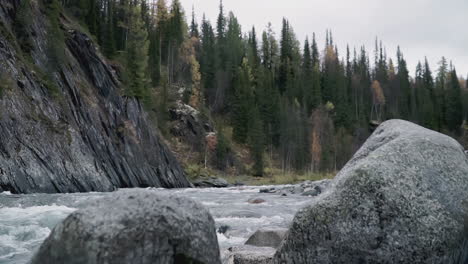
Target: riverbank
pixel 272 177
pixel 28 219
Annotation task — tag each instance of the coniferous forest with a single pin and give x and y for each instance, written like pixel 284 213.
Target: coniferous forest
pixel 294 106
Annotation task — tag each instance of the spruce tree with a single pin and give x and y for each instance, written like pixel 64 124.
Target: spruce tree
pixel 316 94
pixel 405 99
pixel 221 37
pixel 256 142
pixel 208 61
pixel 454 107
pixel 429 103
pixel 243 102
pixel 269 49
pixel 137 56
pixel 109 42
pixel 194 26
pixel 253 56
pixel 176 29
pixel 285 58
pixel 307 77
pixel 222 150
pixel 440 94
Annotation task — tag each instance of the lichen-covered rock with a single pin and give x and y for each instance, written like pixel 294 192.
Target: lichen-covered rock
pixel 188 126
pixel 69 129
pixel 401 199
pixel 137 226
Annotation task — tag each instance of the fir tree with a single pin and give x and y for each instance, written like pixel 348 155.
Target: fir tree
pixel 243 102
pixel 137 56
pixel 405 99
pixel 194 26
pixel 256 142
pixel 208 61
pixel 454 107
pixel 440 93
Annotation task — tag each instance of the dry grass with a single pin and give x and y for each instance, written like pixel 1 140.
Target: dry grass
pixel 277 178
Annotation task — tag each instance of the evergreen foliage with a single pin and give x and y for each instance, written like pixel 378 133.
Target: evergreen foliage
pixel 309 108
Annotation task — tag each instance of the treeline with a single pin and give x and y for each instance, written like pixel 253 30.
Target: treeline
pixel 309 108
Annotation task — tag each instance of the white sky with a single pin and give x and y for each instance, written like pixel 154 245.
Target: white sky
pixel 432 28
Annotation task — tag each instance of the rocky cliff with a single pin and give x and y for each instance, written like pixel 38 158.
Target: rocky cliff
pixel 70 130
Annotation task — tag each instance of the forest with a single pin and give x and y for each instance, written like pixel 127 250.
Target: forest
pixel 299 107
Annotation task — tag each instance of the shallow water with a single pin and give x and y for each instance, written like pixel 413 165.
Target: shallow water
pixel 26 220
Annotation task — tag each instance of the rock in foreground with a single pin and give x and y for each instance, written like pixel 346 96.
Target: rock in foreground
pixel 134 227
pixel 399 200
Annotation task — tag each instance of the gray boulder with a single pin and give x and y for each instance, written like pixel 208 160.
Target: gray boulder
pixel 250 255
pixel 134 227
pixel 267 237
pixel 256 201
pixel 400 199
pixel 211 183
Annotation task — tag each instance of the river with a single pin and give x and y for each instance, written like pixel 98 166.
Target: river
pixel 26 220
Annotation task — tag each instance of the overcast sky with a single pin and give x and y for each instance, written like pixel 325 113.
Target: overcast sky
pixel 432 28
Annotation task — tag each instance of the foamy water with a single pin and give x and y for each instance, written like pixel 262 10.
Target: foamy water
pixel 26 220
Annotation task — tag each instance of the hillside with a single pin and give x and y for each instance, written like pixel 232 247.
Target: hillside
pixel 94 90
pixel 64 124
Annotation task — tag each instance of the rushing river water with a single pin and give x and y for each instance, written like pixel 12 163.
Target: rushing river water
pixel 26 220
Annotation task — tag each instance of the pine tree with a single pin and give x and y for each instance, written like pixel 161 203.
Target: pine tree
pixel 316 94
pixel 307 77
pixel 405 99
pixel 137 56
pixel 429 101
pixel 92 18
pixel 176 29
pixel 253 56
pixel 256 142
pixel 221 37
pixel 243 102
pixel 222 150
pixel 454 107
pixel 440 93
pixel 109 42
pixel 285 58
pixel 194 26
pixel 208 61
pixel 269 49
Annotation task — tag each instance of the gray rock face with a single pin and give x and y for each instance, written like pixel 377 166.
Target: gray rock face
pixel 188 126
pixel 268 237
pixel 401 199
pixel 85 138
pixel 134 227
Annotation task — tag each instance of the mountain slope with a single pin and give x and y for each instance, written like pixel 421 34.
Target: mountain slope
pixel 65 128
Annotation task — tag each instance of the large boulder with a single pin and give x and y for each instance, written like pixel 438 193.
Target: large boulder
pixel 401 199
pixel 134 227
